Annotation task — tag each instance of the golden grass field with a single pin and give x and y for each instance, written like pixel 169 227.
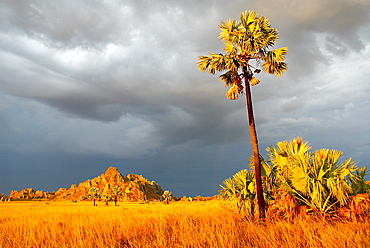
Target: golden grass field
pixel 179 224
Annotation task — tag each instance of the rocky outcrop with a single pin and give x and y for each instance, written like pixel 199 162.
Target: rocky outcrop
pixel 109 186
pixel 4 198
pixel 29 194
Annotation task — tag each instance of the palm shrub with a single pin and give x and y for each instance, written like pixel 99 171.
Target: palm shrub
pixel 296 180
pixel 358 182
pixel 240 190
pixel 316 179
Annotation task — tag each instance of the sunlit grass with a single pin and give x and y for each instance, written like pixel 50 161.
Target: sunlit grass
pixel 180 224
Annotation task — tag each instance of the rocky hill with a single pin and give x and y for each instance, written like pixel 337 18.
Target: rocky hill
pixel 107 186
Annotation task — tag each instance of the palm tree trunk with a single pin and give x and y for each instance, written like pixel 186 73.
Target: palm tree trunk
pixel 253 133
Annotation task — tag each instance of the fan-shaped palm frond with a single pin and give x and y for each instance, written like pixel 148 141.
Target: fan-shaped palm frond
pixel 358 182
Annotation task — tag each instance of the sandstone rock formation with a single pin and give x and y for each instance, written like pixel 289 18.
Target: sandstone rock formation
pixel 29 194
pixel 4 198
pixel 110 185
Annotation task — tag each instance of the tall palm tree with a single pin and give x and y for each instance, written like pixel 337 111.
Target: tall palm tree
pixel 246 45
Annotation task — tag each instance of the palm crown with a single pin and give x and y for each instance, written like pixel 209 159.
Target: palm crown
pixel 246 40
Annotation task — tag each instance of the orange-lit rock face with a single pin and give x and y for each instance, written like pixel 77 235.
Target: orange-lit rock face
pixel 111 183
pixel 28 194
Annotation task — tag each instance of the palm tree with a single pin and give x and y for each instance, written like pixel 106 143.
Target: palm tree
pixel 167 196
pixel 94 193
pixel 107 198
pixel 247 43
pixel 116 191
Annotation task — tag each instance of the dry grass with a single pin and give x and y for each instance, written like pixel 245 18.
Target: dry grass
pixel 180 224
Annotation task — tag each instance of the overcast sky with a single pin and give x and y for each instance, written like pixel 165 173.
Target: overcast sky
pixel 86 85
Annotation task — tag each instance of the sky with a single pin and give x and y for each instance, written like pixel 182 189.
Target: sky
pixel 86 85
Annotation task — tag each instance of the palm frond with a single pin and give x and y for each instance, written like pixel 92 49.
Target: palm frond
pixel 358 182
pixel 230 48
pixel 231 31
pixel 233 93
pixel 214 62
pixel 204 63
pixel 230 78
pixel 274 61
pixel 277 68
pixel 254 81
pixel 280 53
pixel 248 19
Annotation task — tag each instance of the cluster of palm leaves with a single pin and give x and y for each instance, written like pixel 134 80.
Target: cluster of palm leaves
pixel 245 41
pixel 241 191
pixel 298 181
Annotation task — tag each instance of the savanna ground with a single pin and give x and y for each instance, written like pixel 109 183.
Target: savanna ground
pixel 179 224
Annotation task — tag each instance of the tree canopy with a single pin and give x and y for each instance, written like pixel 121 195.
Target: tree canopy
pixel 247 45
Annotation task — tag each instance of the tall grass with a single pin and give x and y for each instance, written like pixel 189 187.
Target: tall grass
pixel 180 224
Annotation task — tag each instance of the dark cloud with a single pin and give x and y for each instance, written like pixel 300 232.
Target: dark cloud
pixel 306 27
pixel 111 83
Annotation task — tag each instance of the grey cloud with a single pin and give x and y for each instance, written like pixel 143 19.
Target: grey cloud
pixel 143 83
pixel 302 24
pixel 67 24
pixel 118 82
pixel 341 18
pixel 292 104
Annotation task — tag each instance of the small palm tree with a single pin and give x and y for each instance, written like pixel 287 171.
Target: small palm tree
pixel 94 193
pixel 247 43
pixel 107 199
pixel 240 190
pixel 115 191
pixel 167 197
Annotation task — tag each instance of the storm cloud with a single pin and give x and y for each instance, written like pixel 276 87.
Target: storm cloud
pixel 89 84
